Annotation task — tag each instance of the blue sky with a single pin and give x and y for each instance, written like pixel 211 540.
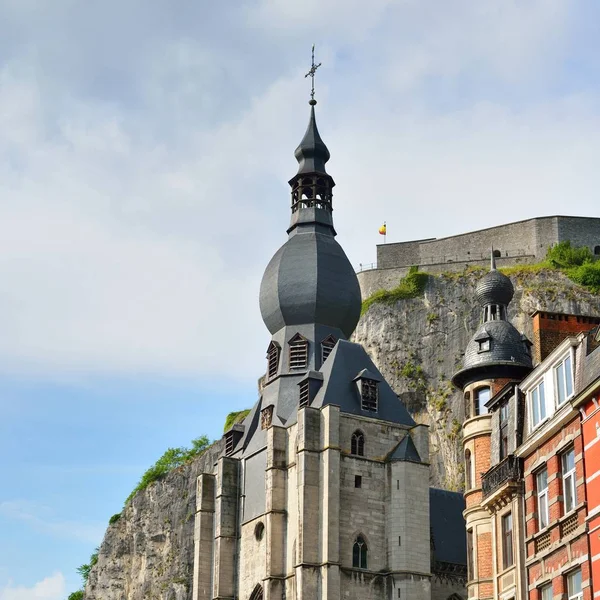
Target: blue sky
pixel 144 159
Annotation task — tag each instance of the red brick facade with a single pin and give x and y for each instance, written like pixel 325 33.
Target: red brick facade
pixel 555 550
pixel 550 329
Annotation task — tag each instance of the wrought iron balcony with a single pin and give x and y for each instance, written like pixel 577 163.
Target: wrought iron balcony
pixel 510 470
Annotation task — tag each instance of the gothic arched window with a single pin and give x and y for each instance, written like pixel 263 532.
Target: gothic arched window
pixel 298 352
pixel 359 553
pixel 468 470
pixel 273 352
pixel 357 445
pixel 257 594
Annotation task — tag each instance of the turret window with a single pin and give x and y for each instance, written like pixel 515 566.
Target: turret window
pixel 359 553
pixel 273 353
pixel 327 346
pixel 298 353
pixel 357 444
pixel 369 394
pixel 482 395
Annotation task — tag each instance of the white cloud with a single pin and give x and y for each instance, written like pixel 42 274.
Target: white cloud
pixel 143 196
pixel 50 588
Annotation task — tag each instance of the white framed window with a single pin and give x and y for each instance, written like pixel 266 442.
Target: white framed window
pixel 482 395
pixel 546 592
pixel 567 461
pixel 574 585
pixel 537 400
pixel 541 486
pixel 563 380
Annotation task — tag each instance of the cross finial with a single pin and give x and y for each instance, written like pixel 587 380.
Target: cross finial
pixel 311 74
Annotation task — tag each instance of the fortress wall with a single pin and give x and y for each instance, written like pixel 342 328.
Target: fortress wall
pixel 514 239
pixel 530 238
pixel 545 236
pixel 400 254
pixel 582 231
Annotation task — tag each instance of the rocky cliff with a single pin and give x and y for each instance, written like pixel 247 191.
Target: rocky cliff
pixel 148 553
pixel 417 343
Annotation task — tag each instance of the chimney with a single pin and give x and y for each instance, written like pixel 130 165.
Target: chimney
pixel 550 329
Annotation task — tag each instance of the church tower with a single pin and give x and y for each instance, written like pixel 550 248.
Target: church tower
pixel 495 356
pixel 322 492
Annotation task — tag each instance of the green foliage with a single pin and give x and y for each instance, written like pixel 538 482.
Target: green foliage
pixel 565 256
pixel 171 459
pixel 432 318
pixel 235 417
pixel 84 570
pixel 114 518
pixel 411 286
pixel 78 595
pixel 588 275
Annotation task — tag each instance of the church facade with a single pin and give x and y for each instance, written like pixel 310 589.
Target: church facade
pixel 323 492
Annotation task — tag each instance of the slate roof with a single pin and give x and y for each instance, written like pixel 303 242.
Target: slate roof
pixel 310 280
pixel 405 451
pixel 312 153
pixel 345 362
pixel 447 526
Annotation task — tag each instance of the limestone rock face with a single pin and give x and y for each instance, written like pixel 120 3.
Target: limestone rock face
pixel 418 344
pixel 148 554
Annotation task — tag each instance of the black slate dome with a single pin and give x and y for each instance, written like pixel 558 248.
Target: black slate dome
pixel 494 288
pixel 497 349
pixel 310 280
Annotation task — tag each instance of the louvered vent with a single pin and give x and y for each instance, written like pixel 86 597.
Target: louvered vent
pixel 304 394
pixel 298 353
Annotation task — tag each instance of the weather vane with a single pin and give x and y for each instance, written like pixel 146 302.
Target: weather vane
pixel 311 74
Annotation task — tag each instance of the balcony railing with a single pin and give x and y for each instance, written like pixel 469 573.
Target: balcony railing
pixel 509 470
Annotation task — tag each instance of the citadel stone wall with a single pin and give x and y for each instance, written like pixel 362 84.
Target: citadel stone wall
pixel 527 240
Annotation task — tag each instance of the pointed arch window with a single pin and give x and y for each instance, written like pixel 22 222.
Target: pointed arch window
pixel 327 346
pixel 298 353
pixel 257 594
pixel 357 443
pixel 273 354
pixel 359 553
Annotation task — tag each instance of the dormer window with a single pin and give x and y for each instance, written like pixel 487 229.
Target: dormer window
pixel 484 341
pixel 308 388
pixel 368 387
pixel 369 394
pixel 273 353
pixel 326 347
pixel 298 353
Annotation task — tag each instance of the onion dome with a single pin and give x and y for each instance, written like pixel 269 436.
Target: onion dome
pixel 312 153
pixel 494 287
pixel 310 279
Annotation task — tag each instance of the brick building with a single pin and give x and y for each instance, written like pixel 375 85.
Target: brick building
pixel 556 542
pixel 496 357
pixel 587 402
pixel 533 487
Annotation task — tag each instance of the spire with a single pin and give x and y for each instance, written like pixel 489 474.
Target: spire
pixel 312 187
pixel 312 153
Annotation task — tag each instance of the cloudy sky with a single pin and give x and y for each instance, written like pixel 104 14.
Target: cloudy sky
pixel 145 149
